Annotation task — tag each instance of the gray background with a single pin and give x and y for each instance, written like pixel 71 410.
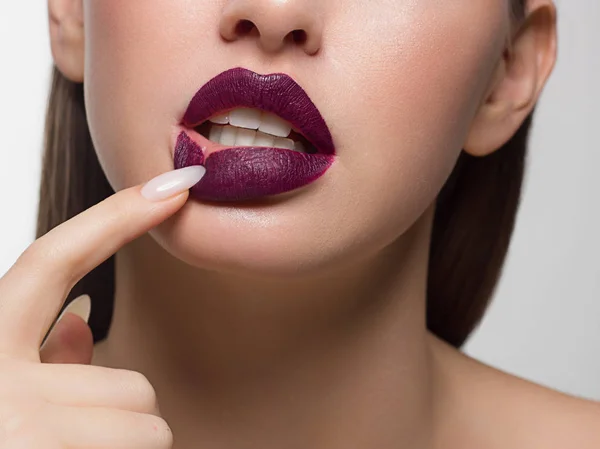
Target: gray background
pixel 544 323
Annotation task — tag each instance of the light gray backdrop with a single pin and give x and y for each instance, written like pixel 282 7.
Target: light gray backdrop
pixel 544 323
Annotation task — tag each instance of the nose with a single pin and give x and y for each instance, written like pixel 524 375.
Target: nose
pixel 275 24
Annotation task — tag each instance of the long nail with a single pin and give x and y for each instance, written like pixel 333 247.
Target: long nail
pixel 173 183
pixel 80 306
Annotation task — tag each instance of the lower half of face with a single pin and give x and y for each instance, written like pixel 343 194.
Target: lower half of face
pixel 398 83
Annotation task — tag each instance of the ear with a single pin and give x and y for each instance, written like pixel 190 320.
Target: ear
pixel 520 77
pixel 67 37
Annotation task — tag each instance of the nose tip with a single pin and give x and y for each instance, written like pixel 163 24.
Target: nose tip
pixel 275 24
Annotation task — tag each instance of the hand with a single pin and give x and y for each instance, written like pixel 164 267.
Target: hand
pixel 55 399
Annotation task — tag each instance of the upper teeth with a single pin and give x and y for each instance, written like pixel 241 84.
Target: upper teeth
pixel 242 125
pixel 255 119
pixel 233 136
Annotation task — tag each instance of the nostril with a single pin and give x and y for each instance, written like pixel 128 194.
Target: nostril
pixel 244 27
pixel 299 36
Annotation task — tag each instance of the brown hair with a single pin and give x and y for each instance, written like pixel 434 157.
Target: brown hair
pixel 472 228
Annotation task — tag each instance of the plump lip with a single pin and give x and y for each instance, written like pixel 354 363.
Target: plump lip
pixel 248 173
pixel 277 93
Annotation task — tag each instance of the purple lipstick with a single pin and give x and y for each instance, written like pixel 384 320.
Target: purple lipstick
pixel 237 173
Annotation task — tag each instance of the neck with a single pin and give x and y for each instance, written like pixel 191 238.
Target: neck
pixel 335 360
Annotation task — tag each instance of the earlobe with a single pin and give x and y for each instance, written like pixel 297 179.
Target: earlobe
pixel 518 81
pixel 67 37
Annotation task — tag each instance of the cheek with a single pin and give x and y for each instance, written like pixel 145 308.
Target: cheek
pixel 136 86
pixel 405 88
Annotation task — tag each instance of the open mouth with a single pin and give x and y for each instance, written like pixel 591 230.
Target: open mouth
pixel 249 127
pixel 257 135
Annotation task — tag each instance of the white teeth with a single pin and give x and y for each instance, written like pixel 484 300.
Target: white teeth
pixel 215 133
pixel 264 140
pixel 272 124
pixel 284 143
pixel 254 119
pixel 245 118
pixel 229 135
pixel 241 137
pixel 222 119
pixel 245 137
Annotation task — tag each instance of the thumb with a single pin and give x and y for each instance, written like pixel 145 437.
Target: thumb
pixel 70 340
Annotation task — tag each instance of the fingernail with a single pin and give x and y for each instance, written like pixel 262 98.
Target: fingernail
pixel 80 306
pixel 173 183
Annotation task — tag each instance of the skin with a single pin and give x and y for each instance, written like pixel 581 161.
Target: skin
pixel 298 322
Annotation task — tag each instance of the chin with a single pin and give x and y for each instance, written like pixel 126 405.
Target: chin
pixel 280 239
pixel 288 240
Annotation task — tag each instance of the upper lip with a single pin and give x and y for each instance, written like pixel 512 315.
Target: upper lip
pixel 277 93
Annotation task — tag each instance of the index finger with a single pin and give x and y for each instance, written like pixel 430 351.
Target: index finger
pixel 34 289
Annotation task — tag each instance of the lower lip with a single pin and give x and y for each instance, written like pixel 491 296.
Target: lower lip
pixel 246 173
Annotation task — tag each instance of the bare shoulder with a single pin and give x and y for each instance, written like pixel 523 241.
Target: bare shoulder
pixel 508 411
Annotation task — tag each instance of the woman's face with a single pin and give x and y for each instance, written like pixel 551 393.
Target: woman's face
pixel 398 83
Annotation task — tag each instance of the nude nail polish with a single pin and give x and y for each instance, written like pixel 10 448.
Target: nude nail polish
pixel 173 183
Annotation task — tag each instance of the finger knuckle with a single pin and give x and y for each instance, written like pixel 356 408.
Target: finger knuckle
pixel 144 390
pixel 116 208
pixel 40 255
pixel 35 252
